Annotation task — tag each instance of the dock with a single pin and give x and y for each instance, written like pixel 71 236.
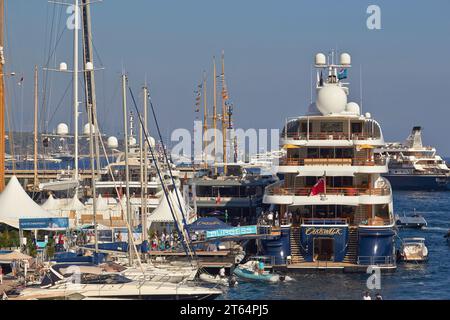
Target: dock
pixel 329 267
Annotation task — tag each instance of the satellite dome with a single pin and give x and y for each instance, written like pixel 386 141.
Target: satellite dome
pixel 62 129
pixel 368 115
pixel 132 141
pixel 152 141
pixel 321 59
pixel 86 129
pixel 353 108
pixel 345 59
pixel 113 143
pixel 331 99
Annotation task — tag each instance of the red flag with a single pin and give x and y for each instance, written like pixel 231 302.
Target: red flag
pixel 319 187
pixel 218 199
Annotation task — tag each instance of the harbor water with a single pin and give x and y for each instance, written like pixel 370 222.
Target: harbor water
pixel 429 280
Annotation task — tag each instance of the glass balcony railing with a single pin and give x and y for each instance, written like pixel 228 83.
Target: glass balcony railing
pixel 328 136
pixel 332 162
pixel 347 191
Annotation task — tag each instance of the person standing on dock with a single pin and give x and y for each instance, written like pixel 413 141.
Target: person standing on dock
pixel 367 296
pixel 1 275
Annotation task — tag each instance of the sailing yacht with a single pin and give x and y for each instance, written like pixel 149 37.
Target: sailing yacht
pixel 335 208
pixel 63 281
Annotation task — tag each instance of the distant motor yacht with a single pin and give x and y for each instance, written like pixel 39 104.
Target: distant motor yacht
pixel 413 166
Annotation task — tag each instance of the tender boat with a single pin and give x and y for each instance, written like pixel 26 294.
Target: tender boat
pixel 414 221
pixel 414 250
pixel 226 282
pixel 251 271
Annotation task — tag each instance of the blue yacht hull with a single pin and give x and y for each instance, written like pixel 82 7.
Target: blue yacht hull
pixel 418 182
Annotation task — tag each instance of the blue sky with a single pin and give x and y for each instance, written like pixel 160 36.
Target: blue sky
pixel 269 47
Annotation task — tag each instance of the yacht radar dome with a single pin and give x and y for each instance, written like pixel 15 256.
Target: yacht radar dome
pixel 132 141
pixel 321 60
pixel 331 100
pixel 353 108
pixel 62 129
pixel 152 141
pixel 86 129
pixel 89 66
pixel 368 115
pixel 63 66
pixel 113 143
pixel 345 59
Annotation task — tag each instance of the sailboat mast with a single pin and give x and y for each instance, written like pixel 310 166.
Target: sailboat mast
pixel 127 167
pixel 224 115
pixel 215 114
pixel 75 84
pixel 205 118
pixel 141 174
pixel 92 130
pixel 36 104
pixel 89 74
pixel 2 98
pixel 144 218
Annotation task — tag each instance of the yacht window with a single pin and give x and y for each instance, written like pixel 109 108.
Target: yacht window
pixel 304 127
pixel 356 127
pixel 331 127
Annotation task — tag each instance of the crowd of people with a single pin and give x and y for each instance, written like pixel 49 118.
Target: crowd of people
pixel 271 218
pixel 165 241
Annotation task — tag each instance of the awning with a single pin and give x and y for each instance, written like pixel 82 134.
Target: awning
pixel 365 146
pixel 15 255
pixel 291 146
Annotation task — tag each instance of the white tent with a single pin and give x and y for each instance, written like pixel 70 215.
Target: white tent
pixel 74 204
pixel 16 204
pixel 162 213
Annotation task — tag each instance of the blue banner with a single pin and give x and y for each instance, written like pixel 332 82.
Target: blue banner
pixel 239 231
pixel 44 224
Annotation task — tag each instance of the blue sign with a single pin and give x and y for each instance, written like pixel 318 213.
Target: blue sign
pixel 239 231
pixel 44 224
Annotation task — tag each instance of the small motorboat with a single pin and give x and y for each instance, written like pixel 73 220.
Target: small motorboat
pixel 414 221
pixel 251 270
pixel 414 250
pixel 217 280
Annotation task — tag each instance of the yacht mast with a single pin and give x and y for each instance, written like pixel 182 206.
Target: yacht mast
pixel 205 119
pixel 91 101
pixel 75 83
pixel 224 114
pixel 215 115
pixel 36 102
pixel 144 219
pixel 127 168
pixel 141 176
pixel 2 98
